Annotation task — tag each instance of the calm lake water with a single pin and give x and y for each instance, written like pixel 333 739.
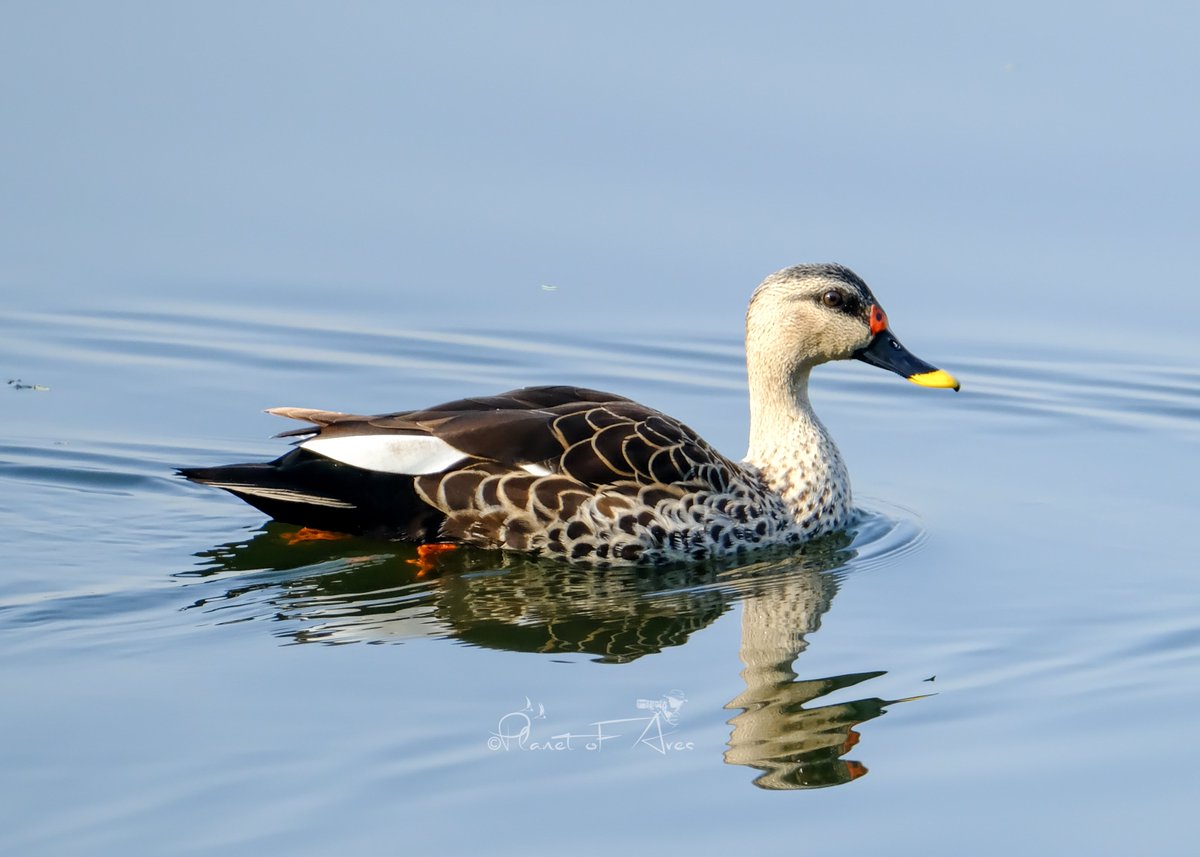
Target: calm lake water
pixel 213 212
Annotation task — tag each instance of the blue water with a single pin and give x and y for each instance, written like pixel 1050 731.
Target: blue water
pixel 222 209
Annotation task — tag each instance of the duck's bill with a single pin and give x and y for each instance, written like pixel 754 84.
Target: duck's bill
pixel 886 352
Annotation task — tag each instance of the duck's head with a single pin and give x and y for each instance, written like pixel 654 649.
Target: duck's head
pixel 811 314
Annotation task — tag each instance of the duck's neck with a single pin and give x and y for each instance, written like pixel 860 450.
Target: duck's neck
pixel 792 451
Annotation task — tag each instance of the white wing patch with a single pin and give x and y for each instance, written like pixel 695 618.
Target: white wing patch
pixel 536 469
pixel 413 454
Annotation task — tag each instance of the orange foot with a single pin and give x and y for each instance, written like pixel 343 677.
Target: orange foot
pixel 426 560
pixel 307 534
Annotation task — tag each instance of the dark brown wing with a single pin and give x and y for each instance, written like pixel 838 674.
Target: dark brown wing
pixel 625 441
pixel 593 437
pixel 529 460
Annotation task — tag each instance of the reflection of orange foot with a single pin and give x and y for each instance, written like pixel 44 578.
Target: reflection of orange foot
pixel 426 560
pixel 307 534
pixel 852 738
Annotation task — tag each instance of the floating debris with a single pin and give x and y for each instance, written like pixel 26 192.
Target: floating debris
pixel 18 384
pixel 546 287
pixel 931 678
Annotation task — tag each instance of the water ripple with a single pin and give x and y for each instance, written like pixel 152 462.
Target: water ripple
pixel 1076 387
pixel 1128 395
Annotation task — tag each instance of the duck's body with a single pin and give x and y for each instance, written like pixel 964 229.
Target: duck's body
pixel 592 476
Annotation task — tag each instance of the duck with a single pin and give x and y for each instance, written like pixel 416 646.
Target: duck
pixel 592 477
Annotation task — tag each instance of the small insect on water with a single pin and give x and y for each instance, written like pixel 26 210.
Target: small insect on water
pixel 18 384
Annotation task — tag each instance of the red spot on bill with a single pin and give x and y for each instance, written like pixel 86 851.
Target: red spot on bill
pixel 878 319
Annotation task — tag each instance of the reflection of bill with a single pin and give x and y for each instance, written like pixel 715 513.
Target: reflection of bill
pixel 797 745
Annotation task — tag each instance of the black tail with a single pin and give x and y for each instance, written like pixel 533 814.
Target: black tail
pixel 304 488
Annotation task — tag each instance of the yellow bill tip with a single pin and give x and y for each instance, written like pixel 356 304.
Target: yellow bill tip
pixel 936 378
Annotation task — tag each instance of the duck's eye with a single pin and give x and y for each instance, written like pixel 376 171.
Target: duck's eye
pixel 833 299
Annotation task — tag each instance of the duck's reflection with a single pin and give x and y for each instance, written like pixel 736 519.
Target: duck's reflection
pixel 343 591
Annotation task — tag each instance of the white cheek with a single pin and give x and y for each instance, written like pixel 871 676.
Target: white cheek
pixel 413 454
